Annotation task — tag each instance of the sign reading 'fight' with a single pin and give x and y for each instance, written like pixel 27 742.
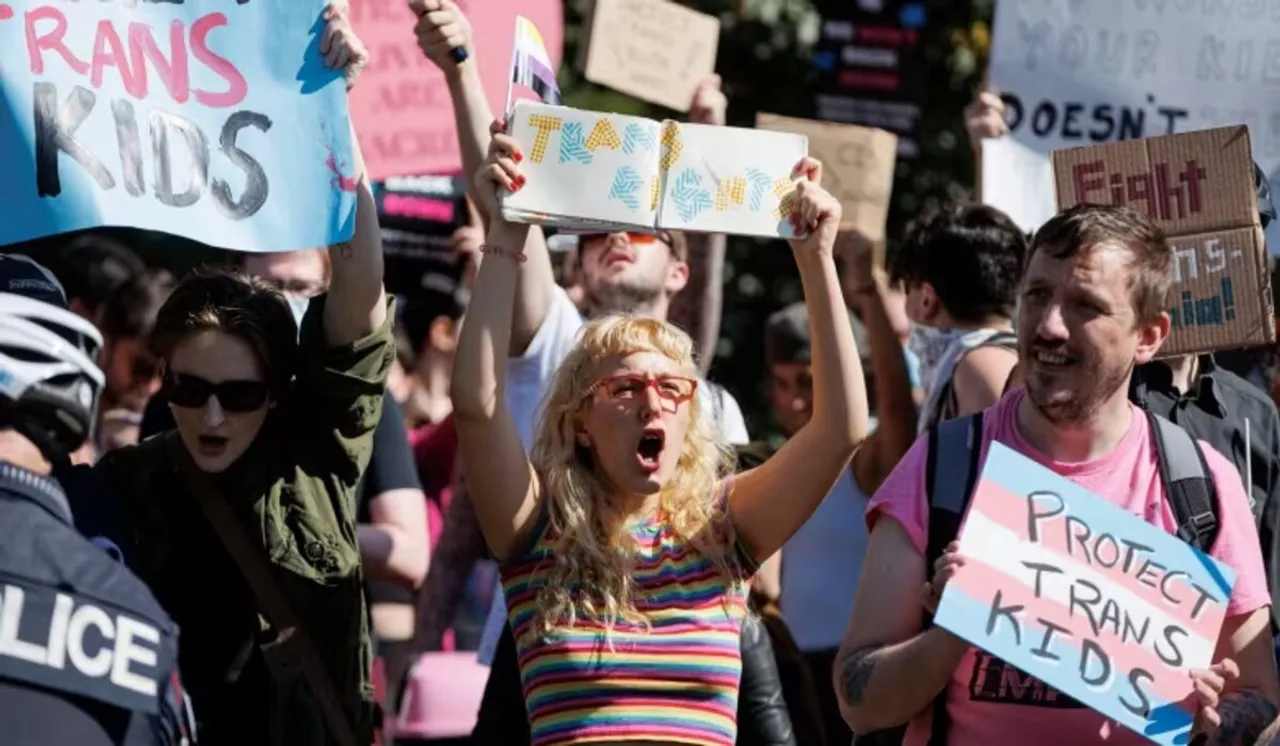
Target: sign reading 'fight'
pixel 213 120
pixel 1198 187
pixel 1084 596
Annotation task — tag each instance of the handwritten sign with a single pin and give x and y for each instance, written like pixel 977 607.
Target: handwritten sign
pixel 858 167
pixel 1086 597
pixel 1090 71
pixel 587 169
pixel 1198 187
pixel 655 50
pixel 402 107
pixel 178 117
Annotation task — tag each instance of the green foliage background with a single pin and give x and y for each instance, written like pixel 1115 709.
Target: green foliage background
pixel 764 54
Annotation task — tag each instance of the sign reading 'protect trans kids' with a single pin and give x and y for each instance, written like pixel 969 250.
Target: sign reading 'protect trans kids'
pixel 1087 598
pixel 210 119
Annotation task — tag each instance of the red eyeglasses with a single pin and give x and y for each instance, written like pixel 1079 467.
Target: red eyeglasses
pixel 675 389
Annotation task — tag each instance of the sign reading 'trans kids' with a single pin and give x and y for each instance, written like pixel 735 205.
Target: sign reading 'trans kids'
pixel 213 120
pixel 1087 598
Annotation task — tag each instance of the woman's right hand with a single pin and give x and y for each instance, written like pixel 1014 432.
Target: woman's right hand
pixel 499 171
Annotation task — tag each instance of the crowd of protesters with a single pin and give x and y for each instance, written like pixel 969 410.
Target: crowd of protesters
pixel 512 509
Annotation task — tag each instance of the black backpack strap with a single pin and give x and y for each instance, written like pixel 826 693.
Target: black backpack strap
pixel 1187 483
pixel 951 472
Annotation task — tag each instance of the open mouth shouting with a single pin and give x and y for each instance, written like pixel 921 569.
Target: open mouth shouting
pixel 649 449
pixel 212 446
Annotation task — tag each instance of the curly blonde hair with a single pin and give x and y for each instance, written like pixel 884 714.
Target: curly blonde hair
pixel 592 568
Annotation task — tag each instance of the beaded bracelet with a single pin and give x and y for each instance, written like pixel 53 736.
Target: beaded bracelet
pixel 517 256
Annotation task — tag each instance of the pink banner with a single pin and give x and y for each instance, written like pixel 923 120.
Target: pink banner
pixel 403 113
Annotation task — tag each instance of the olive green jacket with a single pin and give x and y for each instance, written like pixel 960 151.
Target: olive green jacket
pixel 294 491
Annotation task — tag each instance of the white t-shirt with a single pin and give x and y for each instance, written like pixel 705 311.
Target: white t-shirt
pixel 528 377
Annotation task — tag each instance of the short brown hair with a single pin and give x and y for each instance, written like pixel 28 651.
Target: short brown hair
pixel 1084 227
pixel 235 303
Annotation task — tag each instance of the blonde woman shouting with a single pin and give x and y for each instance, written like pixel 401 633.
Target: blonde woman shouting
pixel 624 543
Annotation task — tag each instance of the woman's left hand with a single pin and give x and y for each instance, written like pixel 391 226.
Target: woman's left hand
pixel 814 210
pixel 341 48
pixel 1209 684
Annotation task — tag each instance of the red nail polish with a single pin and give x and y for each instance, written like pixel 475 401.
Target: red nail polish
pixel 518 156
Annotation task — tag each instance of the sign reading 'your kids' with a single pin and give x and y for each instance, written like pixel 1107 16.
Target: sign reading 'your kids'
pixel 203 118
pixel 1086 597
pixel 586 169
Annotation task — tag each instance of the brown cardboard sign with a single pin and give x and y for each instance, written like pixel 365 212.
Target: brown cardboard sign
pixel 655 50
pixel 858 165
pixel 1198 187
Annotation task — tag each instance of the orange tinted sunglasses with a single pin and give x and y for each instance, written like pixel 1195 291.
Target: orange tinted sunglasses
pixel 636 239
pixel 675 389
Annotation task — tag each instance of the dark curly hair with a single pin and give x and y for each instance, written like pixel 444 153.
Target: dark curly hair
pixel 972 255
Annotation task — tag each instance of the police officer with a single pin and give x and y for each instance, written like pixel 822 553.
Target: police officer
pixel 87 655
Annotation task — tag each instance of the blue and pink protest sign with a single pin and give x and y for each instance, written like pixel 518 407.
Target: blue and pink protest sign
pixel 1086 597
pixel 208 119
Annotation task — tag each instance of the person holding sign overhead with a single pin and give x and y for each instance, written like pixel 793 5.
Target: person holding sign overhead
pixel 1092 308
pixel 245 514
pixel 624 505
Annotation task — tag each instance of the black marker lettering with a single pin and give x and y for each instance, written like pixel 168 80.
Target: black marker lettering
pixel 1205 595
pixel 1164 586
pixel 162 125
pixel 1171 117
pixel 1070 129
pixel 1055 506
pixel 1110 616
pixel 1107 121
pixel 1130 632
pixel 1173 659
pixel 1043 650
pixel 55 133
pixel 1130 547
pixel 1074 599
pixel 1143 708
pixel 1008 612
pixel 1090 649
pixel 1104 540
pixel 1038 568
pixel 256 186
pixel 130 143
pixel 1151 568
pixel 1080 534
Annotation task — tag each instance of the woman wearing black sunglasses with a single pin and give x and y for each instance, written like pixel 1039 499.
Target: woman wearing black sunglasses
pixel 273 432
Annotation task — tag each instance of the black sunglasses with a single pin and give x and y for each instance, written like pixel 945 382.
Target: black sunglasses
pixel 192 392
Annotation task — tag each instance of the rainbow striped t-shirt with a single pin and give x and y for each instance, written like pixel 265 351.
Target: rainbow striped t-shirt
pixel 677 682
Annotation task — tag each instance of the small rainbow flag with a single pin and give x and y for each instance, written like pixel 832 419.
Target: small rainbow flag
pixel 531 65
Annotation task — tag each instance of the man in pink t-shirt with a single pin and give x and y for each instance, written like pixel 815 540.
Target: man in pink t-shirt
pixel 1092 307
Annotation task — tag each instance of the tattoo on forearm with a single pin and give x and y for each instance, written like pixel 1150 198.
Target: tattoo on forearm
pixel 855 675
pixel 1247 717
pixel 344 249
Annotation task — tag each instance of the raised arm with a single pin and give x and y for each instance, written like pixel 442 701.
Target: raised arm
pixel 771 502
pixel 503 487
pixel 441 28
pixel 867 286
pixel 356 303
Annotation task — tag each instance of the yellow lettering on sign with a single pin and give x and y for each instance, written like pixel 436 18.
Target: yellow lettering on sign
pixel 654 192
pixel 545 125
pixel 603 135
pixel 785 190
pixel 671 146
pixel 731 191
